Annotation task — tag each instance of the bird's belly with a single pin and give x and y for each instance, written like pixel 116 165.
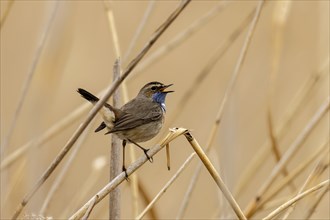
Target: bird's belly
pixel 141 133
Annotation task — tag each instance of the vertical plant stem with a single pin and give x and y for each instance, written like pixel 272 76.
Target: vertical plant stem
pixel 173 134
pixel 98 105
pixel 280 15
pixel 228 91
pixel 115 169
pixel 219 52
pixel 63 172
pixel 252 207
pixel 139 29
pixel 297 104
pixel 29 77
pixel 112 28
pixel 180 38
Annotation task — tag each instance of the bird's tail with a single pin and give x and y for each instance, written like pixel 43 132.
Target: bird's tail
pixel 87 95
pixel 109 113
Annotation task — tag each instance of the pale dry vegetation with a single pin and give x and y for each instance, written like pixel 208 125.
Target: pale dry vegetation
pixel 251 81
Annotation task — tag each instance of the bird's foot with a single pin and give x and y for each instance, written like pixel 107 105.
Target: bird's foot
pixel 149 158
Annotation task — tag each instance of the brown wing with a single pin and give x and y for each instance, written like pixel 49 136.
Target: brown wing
pixel 136 113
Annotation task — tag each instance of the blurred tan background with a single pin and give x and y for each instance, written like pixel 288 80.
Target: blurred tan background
pixel 79 52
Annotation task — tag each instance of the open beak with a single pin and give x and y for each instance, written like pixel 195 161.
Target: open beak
pixel 165 87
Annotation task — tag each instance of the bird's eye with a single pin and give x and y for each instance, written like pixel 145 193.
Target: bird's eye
pixel 153 88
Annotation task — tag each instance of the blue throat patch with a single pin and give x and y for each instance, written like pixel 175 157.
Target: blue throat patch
pixel 159 97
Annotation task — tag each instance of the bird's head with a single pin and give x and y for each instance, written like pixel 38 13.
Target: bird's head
pixel 155 91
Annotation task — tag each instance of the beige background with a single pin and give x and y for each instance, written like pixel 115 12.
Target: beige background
pixel 79 52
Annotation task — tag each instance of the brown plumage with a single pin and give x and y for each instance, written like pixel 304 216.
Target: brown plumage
pixel 139 120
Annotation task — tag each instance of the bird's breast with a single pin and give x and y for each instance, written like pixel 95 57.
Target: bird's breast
pixel 141 133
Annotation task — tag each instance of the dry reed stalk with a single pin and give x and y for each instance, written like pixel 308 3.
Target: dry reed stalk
pixel 99 104
pixel 190 188
pixel 296 199
pixel 222 186
pixel 115 152
pixel 97 166
pixel 59 179
pixel 204 73
pixel 112 28
pixel 322 165
pixel 296 105
pixel 29 77
pixel 166 186
pixel 90 208
pixel 68 120
pixel 139 29
pixel 178 39
pixel 316 203
pixel 44 137
pixel 147 200
pixel 114 200
pixel 271 205
pixel 293 148
pixel 228 91
pixel 173 134
pixel 294 173
pixel 280 15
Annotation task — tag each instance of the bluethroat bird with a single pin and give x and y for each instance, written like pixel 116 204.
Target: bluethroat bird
pixel 138 120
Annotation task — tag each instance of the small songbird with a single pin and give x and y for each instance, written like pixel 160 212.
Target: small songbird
pixel 138 120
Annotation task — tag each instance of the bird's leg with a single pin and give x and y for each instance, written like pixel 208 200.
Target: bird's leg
pixel 124 168
pixel 144 150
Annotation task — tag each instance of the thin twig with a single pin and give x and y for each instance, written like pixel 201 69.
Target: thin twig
pixel 99 104
pixel 295 199
pixel 112 28
pixel 44 137
pixel 134 179
pixel 228 91
pixel 166 186
pixel 204 73
pixel 321 166
pixel 279 21
pixel 173 134
pixel 139 29
pixel 222 186
pixel 29 77
pixel 250 210
pixel 64 171
pixel 297 104
pixel 147 200
pixel 295 172
pixel 317 202
pixel 90 208
pixel 190 188
pixel 280 16
pixel 115 154
pixel 98 166
pixel 180 38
